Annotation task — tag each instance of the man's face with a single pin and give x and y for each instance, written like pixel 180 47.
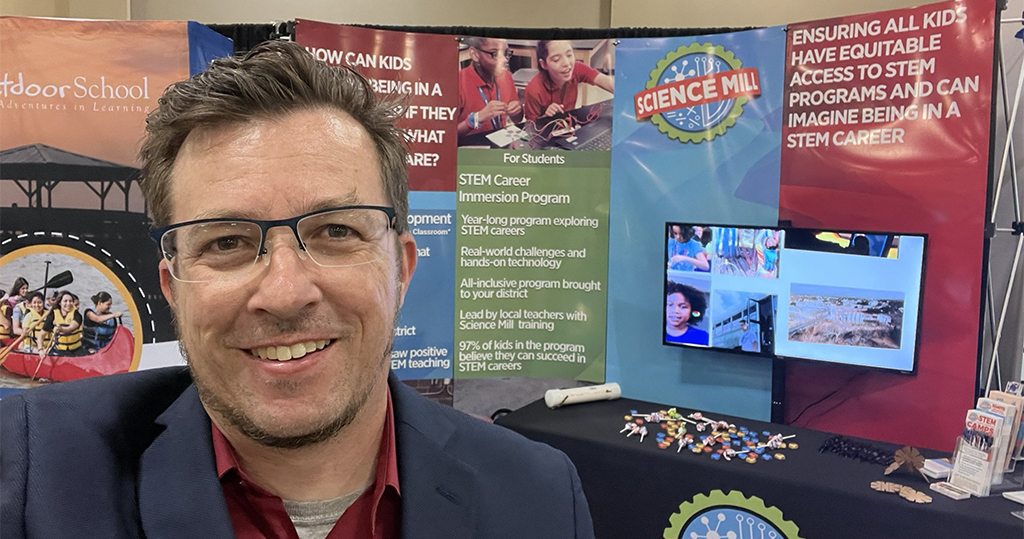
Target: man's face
pixel 36 305
pixel 560 62
pixel 277 169
pixel 677 310
pixel 491 66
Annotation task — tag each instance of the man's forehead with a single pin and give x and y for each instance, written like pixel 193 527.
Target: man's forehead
pixel 309 160
pixel 314 123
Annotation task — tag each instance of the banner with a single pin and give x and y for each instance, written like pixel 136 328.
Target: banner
pixel 887 129
pixel 697 138
pixel 534 123
pixel 73 101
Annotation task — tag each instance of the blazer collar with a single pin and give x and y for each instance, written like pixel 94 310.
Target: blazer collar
pixel 180 494
pixel 439 491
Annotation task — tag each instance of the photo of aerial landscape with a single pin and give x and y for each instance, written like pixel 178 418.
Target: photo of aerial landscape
pixel 846 316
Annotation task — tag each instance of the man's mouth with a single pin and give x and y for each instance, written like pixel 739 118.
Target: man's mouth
pixel 294 351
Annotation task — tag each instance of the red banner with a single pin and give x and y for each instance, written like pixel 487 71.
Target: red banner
pixel 695 91
pixel 886 128
pixel 418 65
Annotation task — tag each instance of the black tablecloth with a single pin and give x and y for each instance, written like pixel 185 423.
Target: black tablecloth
pixel 634 488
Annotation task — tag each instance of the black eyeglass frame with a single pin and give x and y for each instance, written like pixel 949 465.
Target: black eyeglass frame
pixel 292 223
pixel 494 54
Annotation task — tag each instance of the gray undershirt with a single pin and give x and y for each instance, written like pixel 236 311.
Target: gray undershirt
pixel 314 520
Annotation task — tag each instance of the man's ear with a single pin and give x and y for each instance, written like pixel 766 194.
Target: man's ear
pixel 474 55
pixel 407 264
pixel 167 284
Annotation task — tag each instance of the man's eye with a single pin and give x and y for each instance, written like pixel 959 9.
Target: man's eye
pixel 226 243
pixel 338 231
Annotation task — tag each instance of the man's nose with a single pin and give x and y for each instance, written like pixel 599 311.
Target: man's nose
pixel 288 284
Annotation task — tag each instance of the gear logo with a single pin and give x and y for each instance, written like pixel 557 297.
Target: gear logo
pixel 729 516
pixel 697 92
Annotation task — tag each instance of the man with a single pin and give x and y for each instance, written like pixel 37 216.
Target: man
pixel 278 185
pixel 487 93
pixel 748 339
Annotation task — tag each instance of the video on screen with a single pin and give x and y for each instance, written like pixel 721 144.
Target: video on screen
pixel 838 296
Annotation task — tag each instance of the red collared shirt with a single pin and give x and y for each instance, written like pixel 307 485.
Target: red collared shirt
pixel 474 94
pixel 258 514
pixel 541 92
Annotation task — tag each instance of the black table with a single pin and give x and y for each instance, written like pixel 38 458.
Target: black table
pixel 635 489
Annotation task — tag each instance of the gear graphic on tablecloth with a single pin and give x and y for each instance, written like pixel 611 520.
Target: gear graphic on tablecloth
pixel 703 122
pixel 729 516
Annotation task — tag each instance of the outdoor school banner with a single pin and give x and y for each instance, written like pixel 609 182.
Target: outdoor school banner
pixel 74 96
pixel 420 66
pixel 887 125
pixel 697 136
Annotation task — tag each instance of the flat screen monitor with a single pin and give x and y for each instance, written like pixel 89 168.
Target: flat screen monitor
pixel 847 297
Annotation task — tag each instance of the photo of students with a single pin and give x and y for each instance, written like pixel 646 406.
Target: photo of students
pixel 685 251
pixel 685 310
pixel 568 86
pixel 488 99
pixel 555 87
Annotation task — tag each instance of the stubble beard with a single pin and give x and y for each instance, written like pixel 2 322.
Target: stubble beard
pixel 237 417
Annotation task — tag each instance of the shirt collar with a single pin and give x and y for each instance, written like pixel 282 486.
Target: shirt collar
pixel 387 457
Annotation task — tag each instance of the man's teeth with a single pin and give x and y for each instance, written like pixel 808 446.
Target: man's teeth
pixel 284 353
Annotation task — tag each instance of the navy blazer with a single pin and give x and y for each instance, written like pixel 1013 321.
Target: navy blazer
pixel 130 456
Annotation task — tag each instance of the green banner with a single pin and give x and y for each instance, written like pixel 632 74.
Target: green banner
pixel 531 264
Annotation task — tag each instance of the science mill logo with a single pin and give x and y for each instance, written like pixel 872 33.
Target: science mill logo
pixel 729 516
pixel 697 92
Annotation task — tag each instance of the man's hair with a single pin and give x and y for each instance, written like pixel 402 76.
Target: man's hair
pixel 35 295
pixel 697 300
pixel 272 80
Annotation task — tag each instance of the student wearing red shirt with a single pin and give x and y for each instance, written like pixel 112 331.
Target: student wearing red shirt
pixel 487 94
pixel 554 89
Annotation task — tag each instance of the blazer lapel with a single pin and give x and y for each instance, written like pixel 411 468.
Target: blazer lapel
pixel 439 491
pixel 179 492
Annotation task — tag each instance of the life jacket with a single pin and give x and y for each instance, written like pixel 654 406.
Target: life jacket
pixel 97 334
pixel 26 322
pixel 66 343
pixel 6 321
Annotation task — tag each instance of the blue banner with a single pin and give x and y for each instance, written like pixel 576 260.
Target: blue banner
pixel 705 149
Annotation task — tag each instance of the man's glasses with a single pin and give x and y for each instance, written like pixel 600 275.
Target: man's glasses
pixel 494 54
pixel 220 249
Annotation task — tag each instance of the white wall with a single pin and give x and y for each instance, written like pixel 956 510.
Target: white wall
pixel 521 13
pixel 740 13
pixel 77 9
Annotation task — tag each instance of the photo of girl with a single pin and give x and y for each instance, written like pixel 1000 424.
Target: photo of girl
pixel 685 309
pixel 685 251
pixel 555 87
